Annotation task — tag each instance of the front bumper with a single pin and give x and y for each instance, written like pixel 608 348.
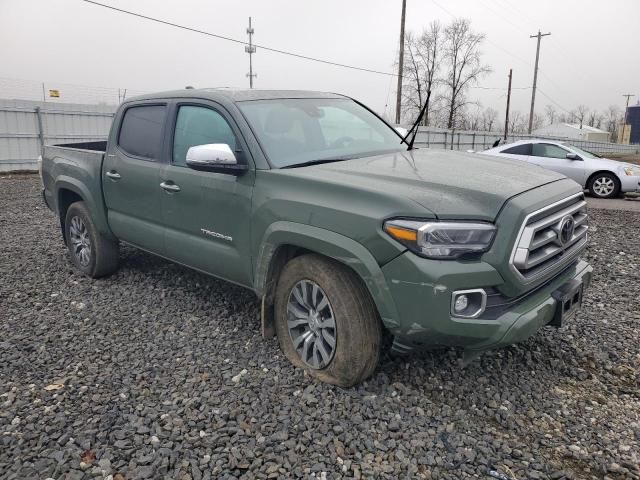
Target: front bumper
pixel 629 184
pixel 423 299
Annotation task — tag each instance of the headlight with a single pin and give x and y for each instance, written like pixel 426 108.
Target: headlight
pixel 441 240
pixel 631 171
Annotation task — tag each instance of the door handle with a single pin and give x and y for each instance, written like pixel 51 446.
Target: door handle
pixel 170 187
pixel 113 175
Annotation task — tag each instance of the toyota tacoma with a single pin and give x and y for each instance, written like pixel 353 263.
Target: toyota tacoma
pixel 346 233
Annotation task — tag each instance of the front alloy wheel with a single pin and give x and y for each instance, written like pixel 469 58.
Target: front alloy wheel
pixel 311 324
pixel 604 185
pixel 326 320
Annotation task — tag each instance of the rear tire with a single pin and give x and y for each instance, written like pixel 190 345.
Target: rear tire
pixel 90 251
pixel 604 185
pixel 346 318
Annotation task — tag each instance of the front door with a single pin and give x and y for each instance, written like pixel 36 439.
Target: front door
pixel 207 216
pixel 554 157
pixel 131 176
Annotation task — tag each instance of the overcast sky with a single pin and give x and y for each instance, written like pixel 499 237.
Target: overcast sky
pixel 591 57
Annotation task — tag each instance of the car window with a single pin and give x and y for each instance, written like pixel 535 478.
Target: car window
pixel 548 150
pixel 524 149
pixel 199 126
pixel 141 131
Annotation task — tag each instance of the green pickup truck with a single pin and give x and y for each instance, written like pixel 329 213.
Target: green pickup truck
pixel 346 233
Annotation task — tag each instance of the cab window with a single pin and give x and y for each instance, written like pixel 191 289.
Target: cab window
pixel 141 131
pixel 199 126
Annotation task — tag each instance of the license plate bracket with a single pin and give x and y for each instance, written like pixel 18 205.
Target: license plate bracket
pixel 569 298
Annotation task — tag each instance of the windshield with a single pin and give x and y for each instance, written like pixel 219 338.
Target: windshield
pixel 581 152
pixel 297 131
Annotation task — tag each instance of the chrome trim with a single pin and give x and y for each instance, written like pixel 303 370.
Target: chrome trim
pixel 483 302
pixel 526 238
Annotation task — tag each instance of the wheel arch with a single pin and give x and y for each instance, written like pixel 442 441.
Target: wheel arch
pixel 69 190
pixel 600 172
pixel 286 240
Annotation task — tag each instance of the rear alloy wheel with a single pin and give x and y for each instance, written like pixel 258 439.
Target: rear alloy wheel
pixel 90 251
pixel 326 321
pixel 604 185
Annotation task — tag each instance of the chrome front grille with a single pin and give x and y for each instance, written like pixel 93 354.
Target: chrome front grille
pixel 550 236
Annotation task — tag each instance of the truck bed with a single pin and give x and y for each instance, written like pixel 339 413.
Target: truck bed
pixel 74 168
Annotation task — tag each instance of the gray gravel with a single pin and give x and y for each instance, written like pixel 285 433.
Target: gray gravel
pixel 160 372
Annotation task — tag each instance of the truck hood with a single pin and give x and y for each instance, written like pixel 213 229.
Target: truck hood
pixel 452 185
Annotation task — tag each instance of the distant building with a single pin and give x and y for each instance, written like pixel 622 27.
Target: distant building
pixel 632 120
pixel 574 132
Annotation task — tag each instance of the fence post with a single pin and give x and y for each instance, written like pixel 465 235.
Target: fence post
pixel 458 146
pixel 40 129
pixel 445 140
pixel 473 141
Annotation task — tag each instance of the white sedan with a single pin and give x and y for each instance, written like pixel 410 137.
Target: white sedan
pixel 603 178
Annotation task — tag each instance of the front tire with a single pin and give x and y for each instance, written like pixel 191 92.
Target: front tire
pixel 604 185
pixel 326 321
pixel 90 251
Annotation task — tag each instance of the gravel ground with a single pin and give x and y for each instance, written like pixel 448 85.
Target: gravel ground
pixel 160 372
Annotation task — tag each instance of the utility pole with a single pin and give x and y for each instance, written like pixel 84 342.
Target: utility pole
pixel 506 117
pixel 535 77
pixel 250 49
pixel 400 62
pixel 624 117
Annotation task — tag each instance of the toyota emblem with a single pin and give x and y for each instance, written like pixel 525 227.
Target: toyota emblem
pixel 567 226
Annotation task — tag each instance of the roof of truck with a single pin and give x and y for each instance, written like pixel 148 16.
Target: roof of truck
pixel 236 94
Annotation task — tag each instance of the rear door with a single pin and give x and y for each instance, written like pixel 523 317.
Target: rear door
pixel 554 157
pixel 207 215
pixel 131 175
pixel 517 152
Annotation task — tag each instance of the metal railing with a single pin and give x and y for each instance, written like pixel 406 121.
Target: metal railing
pixel 470 140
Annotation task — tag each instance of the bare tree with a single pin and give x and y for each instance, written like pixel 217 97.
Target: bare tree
pixel 421 71
pixel 461 50
pixel 581 113
pixel 551 113
pixel 489 118
pixel 517 122
pixel 613 119
pixel 594 119
pixel 538 121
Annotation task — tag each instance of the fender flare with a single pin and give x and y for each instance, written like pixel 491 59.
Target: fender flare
pixel 96 208
pixel 333 245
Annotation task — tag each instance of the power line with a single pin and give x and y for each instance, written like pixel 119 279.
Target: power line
pixel 573 115
pixel 235 40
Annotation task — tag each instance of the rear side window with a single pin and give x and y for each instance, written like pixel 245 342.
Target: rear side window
pixel 199 126
pixel 549 151
pixel 524 149
pixel 141 131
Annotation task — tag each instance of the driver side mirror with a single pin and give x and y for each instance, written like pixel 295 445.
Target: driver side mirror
pixel 215 157
pixel 573 156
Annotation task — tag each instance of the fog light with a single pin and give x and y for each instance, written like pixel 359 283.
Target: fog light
pixel 468 303
pixel 461 303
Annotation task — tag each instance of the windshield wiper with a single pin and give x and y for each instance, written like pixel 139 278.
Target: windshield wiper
pixel 317 162
pixel 414 128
